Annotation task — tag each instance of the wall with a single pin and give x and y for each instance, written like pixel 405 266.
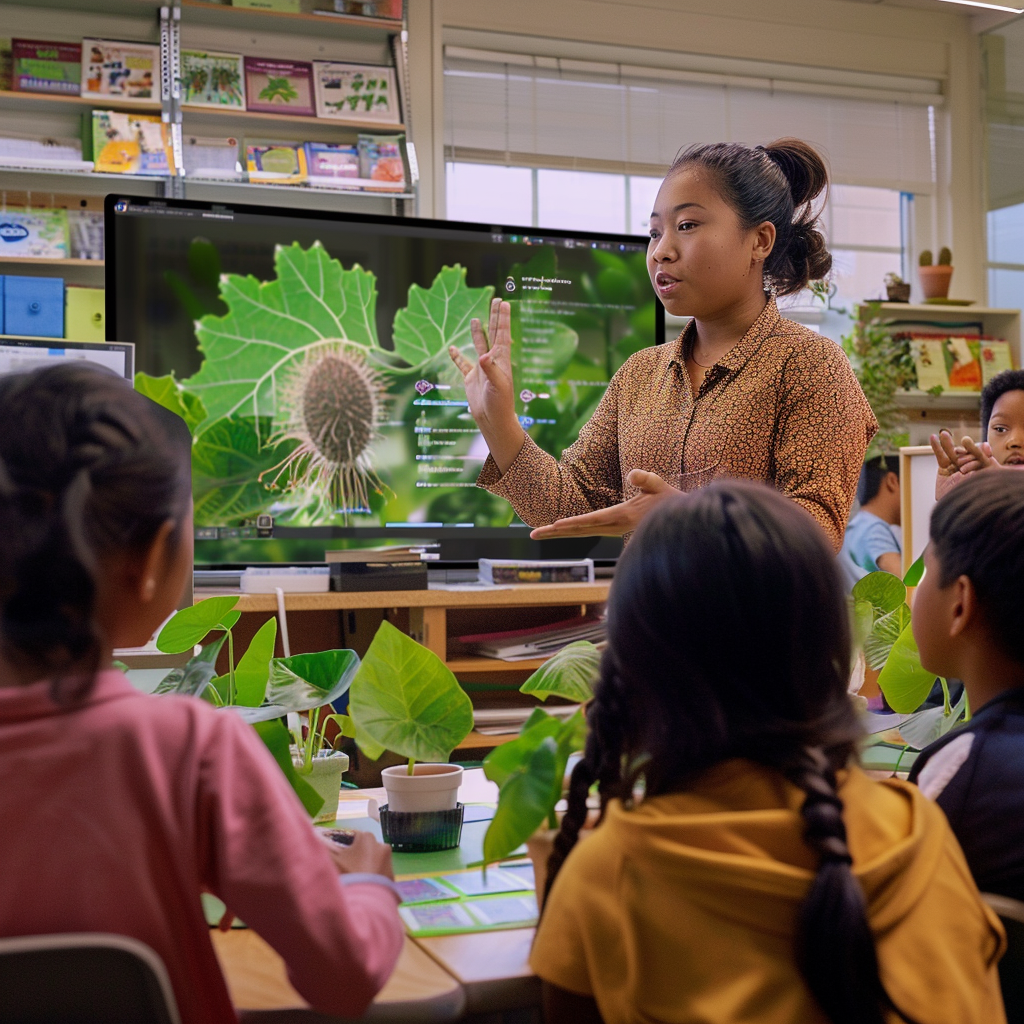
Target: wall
pixel 840 34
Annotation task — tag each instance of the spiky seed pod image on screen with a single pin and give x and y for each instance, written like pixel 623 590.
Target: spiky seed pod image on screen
pixel 330 404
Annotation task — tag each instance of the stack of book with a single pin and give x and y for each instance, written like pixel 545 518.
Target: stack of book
pixel 538 641
pixel 401 567
pixel 508 721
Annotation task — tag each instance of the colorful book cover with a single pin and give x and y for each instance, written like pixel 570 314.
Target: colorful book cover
pixel 46 67
pixel 131 143
pixel 370 8
pixel 34 233
pixel 281 6
pixel 6 63
pixel 355 92
pixel 995 356
pixel 276 163
pixel 123 71
pixel 380 161
pixel 210 157
pixel 279 86
pixel 930 363
pixel 962 365
pixel 212 79
pixel 332 164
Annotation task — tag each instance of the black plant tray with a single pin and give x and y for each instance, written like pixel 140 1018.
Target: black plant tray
pixel 422 831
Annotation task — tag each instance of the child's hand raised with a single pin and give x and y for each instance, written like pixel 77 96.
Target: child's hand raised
pixel 949 457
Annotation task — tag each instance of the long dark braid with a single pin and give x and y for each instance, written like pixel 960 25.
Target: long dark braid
pixel 87 467
pixel 680 692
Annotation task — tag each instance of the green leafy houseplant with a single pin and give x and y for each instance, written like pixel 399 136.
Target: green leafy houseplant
pixel 263 689
pixel 529 770
pixel 880 605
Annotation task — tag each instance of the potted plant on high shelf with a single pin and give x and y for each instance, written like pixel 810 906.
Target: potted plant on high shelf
pixel 935 279
pixel 896 289
pixel 405 699
pixel 267 691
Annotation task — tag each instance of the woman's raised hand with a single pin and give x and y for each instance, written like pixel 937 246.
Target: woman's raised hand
pixel 489 386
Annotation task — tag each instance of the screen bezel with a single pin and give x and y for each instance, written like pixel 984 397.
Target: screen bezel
pixel 454 550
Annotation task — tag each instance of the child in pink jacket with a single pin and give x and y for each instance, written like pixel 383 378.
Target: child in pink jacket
pixel 120 808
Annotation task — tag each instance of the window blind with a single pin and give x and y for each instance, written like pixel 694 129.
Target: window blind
pixel 552 112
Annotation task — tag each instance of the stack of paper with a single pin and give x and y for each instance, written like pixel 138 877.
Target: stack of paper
pixel 537 642
pixel 508 721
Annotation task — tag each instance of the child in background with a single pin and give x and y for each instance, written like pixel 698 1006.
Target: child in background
pixel 762 876
pixel 121 807
pixel 966 621
pixel 1002 424
pixel 871 539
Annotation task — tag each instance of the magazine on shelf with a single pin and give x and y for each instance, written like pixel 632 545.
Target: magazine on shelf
pixel 363 92
pixel 995 357
pixel 126 143
pixel 275 163
pixel 380 161
pixel 211 79
pixel 85 234
pixel 366 9
pixel 34 233
pixel 45 67
pixel 124 71
pixel 536 641
pixel 6 63
pixel 279 86
pixel 211 157
pixel 43 153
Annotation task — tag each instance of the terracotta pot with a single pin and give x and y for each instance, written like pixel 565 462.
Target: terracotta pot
pixel 431 787
pixel 935 281
pixel 325 778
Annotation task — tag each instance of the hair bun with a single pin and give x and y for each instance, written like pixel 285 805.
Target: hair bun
pixel 802 166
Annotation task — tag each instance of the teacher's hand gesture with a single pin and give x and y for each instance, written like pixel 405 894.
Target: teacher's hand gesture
pixel 489 386
pixel 617 519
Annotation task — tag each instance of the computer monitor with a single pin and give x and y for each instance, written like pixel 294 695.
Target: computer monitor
pixel 312 351
pixel 22 354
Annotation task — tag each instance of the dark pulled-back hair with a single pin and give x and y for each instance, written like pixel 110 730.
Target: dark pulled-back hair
pixel 872 473
pixel 1007 380
pixel 87 468
pixel 777 183
pixel 729 637
pixel 977 531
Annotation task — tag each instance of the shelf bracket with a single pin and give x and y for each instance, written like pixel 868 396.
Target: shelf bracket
pixel 170 93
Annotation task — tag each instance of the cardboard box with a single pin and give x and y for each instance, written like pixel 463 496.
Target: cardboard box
pixel 84 311
pixel 34 306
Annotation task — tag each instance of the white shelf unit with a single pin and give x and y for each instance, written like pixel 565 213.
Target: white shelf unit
pixel 955 410
pixel 205 25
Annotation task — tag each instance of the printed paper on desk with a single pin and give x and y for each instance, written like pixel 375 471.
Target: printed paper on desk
pixel 424 890
pixel 515 910
pixel 432 917
pixel 474 883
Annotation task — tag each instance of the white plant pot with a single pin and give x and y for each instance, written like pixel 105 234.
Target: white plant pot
pixel 432 787
pixel 325 778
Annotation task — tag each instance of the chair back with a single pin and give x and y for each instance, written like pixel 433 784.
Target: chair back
pixel 1011 967
pixel 83 979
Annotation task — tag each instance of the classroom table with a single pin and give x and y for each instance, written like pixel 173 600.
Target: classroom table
pixel 437 979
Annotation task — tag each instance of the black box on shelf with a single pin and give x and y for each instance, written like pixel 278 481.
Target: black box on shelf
pixel 352 576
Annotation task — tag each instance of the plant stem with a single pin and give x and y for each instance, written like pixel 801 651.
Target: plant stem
pixel 314 717
pixel 947 708
pixel 412 765
pixel 552 819
pixel 967 706
pixel 899 760
pixel 231 667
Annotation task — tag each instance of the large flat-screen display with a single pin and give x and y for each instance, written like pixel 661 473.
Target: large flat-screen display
pixel 309 353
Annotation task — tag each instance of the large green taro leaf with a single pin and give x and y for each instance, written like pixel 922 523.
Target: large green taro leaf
pixel 191 624
pixel 439 316
pixel 882 590
pixel 569 673
pixel 227 461
pixel 272 324
pixel 275 735
pixel 885 632
pixel 405 699
pixel 903 680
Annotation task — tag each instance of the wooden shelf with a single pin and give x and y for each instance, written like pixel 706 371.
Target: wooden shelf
pixel 285 119
pixel 947 400
pixel 480 664
pixel 477 740
pixel 938 311
pixel 38 262
pixel 302 22
pixel 523 595
pixel 52 179
pixel 34 100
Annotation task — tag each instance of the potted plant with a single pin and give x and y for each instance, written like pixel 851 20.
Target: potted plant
pixel 266 691
pixel 896 288
pixel 883 624
pixel 935 279
pixel 530 770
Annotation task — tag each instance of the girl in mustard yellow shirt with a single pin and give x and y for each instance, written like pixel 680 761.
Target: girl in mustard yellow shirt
pixel 745 869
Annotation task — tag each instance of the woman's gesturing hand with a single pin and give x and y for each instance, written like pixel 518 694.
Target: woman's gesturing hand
pixel 489 386
pixel 617 519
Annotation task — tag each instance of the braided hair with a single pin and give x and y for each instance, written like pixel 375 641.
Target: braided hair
pixel 87 469
pixel 728 637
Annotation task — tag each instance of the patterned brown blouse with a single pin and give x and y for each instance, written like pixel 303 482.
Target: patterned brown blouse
pixel 783 406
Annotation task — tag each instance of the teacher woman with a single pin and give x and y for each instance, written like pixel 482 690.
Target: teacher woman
pixel 742 392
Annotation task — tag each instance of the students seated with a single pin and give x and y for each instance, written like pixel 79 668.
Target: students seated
pixel 745 868
pixel 872 540
pixel 967 622
pixel 1002 424
pixel 119 808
